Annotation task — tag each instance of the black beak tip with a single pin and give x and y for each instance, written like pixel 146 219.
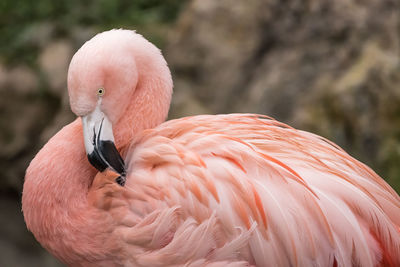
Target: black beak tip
pixel 105 155
pixel 96 161
pixel 110 155
pixel 121 180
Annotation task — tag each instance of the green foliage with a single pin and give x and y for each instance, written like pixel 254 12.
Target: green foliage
pixel 19 20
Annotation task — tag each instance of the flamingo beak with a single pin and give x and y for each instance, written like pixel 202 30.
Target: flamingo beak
pixel 99 144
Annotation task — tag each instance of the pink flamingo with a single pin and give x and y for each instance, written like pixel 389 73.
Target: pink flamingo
pixel 237 190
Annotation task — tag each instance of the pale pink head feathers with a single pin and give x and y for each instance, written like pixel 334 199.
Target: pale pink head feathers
pixel 133 75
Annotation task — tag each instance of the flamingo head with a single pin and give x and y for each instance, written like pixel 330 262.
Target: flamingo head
pixel 103 83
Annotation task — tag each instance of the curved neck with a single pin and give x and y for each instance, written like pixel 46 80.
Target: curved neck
pixel 54 199
pixel 59 166
pixel 149 104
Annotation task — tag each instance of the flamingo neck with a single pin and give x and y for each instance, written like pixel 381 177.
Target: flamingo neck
pixel 54 199
pixel 149 104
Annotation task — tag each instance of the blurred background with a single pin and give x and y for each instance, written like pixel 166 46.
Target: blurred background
pixel 329 67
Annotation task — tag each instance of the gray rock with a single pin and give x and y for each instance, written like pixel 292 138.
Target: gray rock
pixel 19 78
pixel 54 61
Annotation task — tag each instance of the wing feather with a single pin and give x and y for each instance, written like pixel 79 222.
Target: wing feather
pixel 246 188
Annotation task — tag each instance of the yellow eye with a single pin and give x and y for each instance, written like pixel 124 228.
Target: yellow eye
pixel 101 91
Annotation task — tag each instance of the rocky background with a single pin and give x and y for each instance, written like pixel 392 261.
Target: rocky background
pixel 330 67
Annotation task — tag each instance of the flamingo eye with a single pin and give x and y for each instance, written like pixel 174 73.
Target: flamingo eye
pixel 101 91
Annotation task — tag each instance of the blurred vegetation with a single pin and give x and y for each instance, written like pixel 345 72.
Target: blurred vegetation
pixel 21 20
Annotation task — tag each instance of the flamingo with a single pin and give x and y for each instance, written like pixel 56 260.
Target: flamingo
pixel 120 187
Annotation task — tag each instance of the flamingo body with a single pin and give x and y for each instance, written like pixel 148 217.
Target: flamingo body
pixel 237 190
